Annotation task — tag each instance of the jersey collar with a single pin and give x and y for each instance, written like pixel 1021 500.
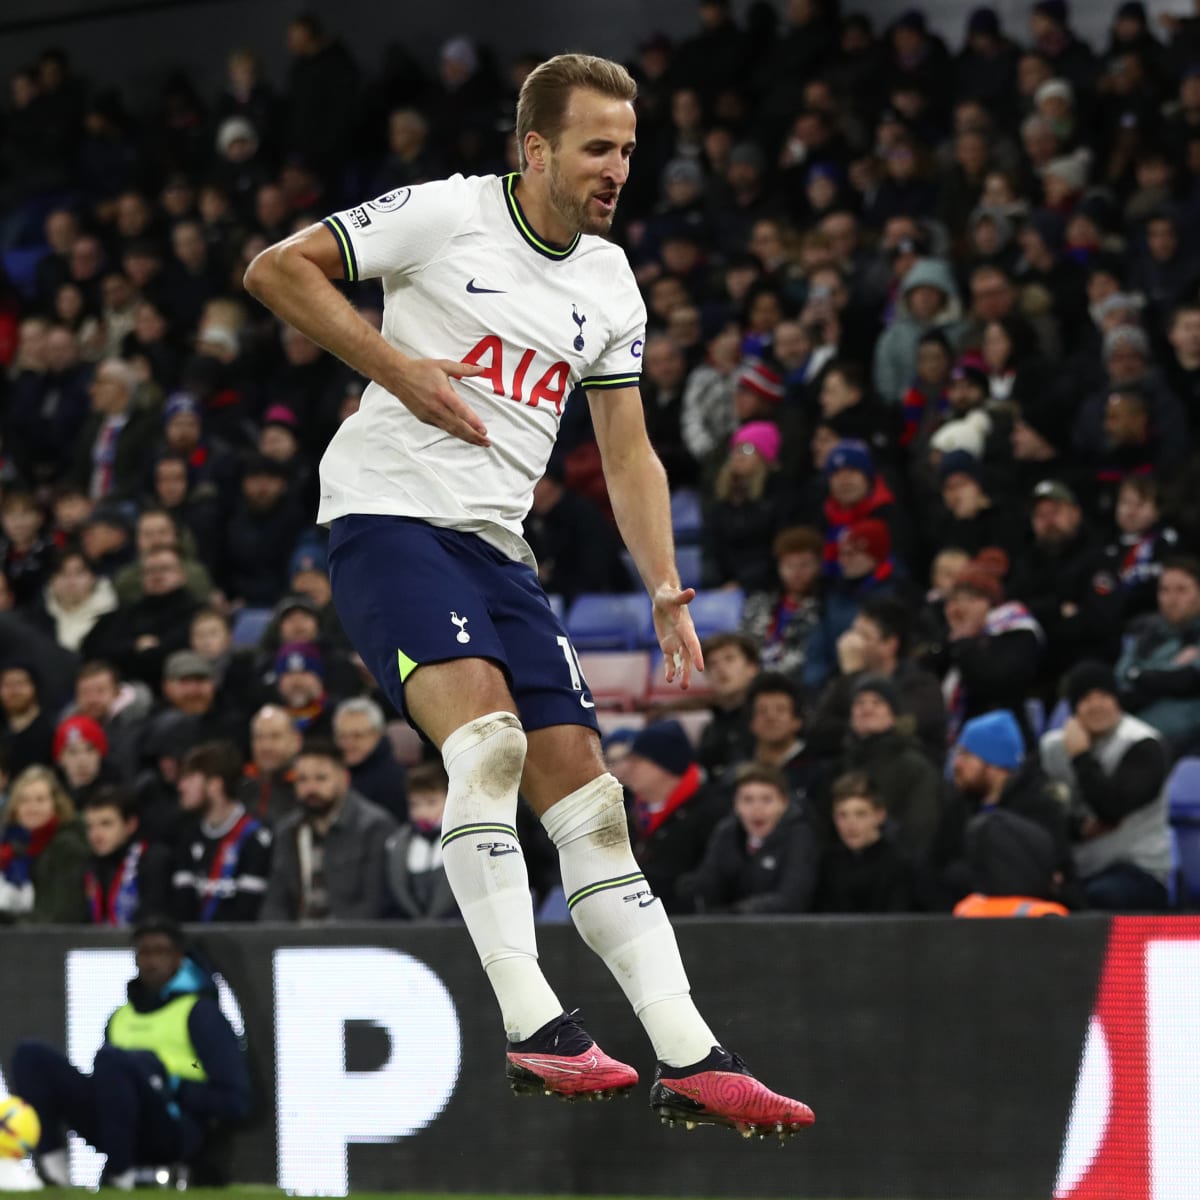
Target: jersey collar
pixel 547 249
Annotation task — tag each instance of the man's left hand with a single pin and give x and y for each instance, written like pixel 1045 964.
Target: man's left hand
pixel 1075 738
pixel 676 633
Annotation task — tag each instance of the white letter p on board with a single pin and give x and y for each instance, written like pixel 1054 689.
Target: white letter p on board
pixel 322 1106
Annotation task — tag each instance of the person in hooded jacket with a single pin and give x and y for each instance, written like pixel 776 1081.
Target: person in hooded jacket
pixel 762 858
pixel 169 1071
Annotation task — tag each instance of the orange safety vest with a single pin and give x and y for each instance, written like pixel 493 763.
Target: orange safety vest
pixel 979 905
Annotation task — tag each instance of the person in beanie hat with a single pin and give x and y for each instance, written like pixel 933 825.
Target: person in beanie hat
pixel 760 436
pixel 858 493
pixel 675 810
pixel 1115 766
pixel 966 517
pixel 757 390
pixel 1002 833
pixel 300 686
pixel 901 774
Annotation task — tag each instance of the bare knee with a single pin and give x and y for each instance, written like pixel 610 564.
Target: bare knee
pixel 561 760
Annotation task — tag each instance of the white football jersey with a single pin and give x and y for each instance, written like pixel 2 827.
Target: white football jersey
pixel 466 278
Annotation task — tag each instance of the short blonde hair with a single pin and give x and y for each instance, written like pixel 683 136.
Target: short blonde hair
pixel 64 810
pixel 542 104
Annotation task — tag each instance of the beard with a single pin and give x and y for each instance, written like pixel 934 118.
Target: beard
pixel 572 209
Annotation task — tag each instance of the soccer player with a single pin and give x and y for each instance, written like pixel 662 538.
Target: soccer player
pixel 500 296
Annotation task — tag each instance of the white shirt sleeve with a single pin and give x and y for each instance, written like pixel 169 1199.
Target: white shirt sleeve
pixel 400 231
pixel 620 362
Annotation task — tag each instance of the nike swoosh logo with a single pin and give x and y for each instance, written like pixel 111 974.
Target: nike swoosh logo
pixel 584 702
pixel 551 1065
pixel 497 851
pixel 478 291
pixel 647 903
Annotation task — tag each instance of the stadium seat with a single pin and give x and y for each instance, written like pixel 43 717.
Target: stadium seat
pixel 602 622
pixel 687 518
pixel 249 625
pixel 1183 790
pixel 1187 840
pixel 1060 715
pixel 407 747
pixel 616 678
pixel 717 611
pixel 1174 878
pixel 663 692
pixel 690 562
pixel 693 722
pixel 558 606
pixel 1035 714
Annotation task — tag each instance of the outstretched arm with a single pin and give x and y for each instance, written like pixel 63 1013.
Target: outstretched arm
pixel 292 278
pixel 637 487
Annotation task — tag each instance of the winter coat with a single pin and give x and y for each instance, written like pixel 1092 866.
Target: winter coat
pixel 382 780
pixel 57 878
pixel 416 877
pixel 71 626
pixel 896 351
pixel 1154 687
pixel 779 877
pixel 877 879
pixel 780 629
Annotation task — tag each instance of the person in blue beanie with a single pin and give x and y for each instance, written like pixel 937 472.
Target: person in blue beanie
pixel 170 1071
pixel 1003 831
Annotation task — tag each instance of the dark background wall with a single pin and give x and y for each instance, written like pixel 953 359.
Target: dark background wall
pixel 939 1056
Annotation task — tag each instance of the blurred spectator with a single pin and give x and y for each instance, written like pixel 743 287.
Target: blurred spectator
pixel 908 785
pixel 25 550
pixel 126 877
pixel 74 600
pixel 268 788
pixel 1003 832
pixel 80 752
pixel 781 619
pixel 189 688
pixel 762 858
pixel 156 529
pixel 1116 769
pixel 361 735
pixel 731 663
pixel 221 864
pixel 28 731
pixel 261 534
pixel 879 642
pixel 416 877
pixel 118 707
pixel 211 638
pixel 114 443
pixel 674 809
pixel 776 724
pixel 331 853
pixel 1159 670
pixel 300 687
pixel 861 871
pixel 42 853
pixel 1143 541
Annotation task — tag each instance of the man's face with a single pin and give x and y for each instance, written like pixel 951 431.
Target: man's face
pixel 210 636
pixel 1124 421
pixel 110 393
pixel 729 671
pixel 191 791
pixel 154 531
pixel 298 625
pixel 854 560
pixel 1161 240
pixel 848 487
pixel 1136 512
pixel 773 720
pixel 759 808
pixel 962 495
pixel 858 822
pixel 320 782
pixel 924 301
pixel 17 693
pixel 798 571
pixel 94 696
pixel 970 773
pixel 298 689
pixel 356 737
pixel 262 491
pixel 791 345
pixel 193 695
pixel 162 573
pixel 991 296
pixel 1055 521
pixel 870 713
pixel 1126 364
pixel 967 611
pixel 1178 597
pixel 878 652
pixel 274 741
pixel 107 830
pixel 182 433
pixel 1098 713
pixel 589 166
pixel 157 959
pixel 664 363
pixel 837 394
pixel 170 482
pixel 1185 336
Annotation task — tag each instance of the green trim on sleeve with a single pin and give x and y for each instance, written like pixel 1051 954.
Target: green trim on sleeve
pixel 610 382
pixel 345 246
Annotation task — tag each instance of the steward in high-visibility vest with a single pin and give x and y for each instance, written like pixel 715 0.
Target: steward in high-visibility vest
pixel 170 1070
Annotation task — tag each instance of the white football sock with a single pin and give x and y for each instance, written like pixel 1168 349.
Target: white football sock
pixel 486 868
pixel 619 918
pixel 55 1165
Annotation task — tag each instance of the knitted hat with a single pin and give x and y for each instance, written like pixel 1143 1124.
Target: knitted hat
pixel 665 744
pixel 309 556
pixel 960 462
pixel 983 20
pixel 1054 10
pixel 280 414
pixel 871 537
pixel 881 686
pixel 996 738
pixel 755 376
pixel 763 436
pixel 972 369
pixel 299 656
pixel 983 575
pixel 850 455
pixel 683 170
pixel 1085 677
pixel 234 129
pixel 79 729
pixel 1127 337
pixel 180 402
pixel 1054 89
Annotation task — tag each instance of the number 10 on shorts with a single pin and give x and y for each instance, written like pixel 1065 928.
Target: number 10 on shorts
pixel 577 682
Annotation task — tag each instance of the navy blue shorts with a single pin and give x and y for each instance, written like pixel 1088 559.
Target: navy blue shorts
pixel 409 593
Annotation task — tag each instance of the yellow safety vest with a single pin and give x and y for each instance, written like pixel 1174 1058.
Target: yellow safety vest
pixel 163 1031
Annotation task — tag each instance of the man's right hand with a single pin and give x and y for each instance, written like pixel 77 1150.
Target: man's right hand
pixel 424 388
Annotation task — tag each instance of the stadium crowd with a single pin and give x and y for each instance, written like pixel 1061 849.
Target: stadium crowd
pixel 924 339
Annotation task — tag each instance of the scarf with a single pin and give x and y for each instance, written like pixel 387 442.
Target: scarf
pixel 685 789
pixel 117 905
pixel 19 849
pixel 839 517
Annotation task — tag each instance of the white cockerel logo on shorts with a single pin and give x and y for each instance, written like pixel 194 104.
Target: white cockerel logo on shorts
pixel 463 637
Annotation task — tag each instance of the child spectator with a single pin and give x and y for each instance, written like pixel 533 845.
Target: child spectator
pixel 126 877
pixel 415 873
pixel 763 857
pixel 862 872
pixel 1143 541
pixel 42 853
pixel 25 552
pixel 80 748
pixel 782 619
